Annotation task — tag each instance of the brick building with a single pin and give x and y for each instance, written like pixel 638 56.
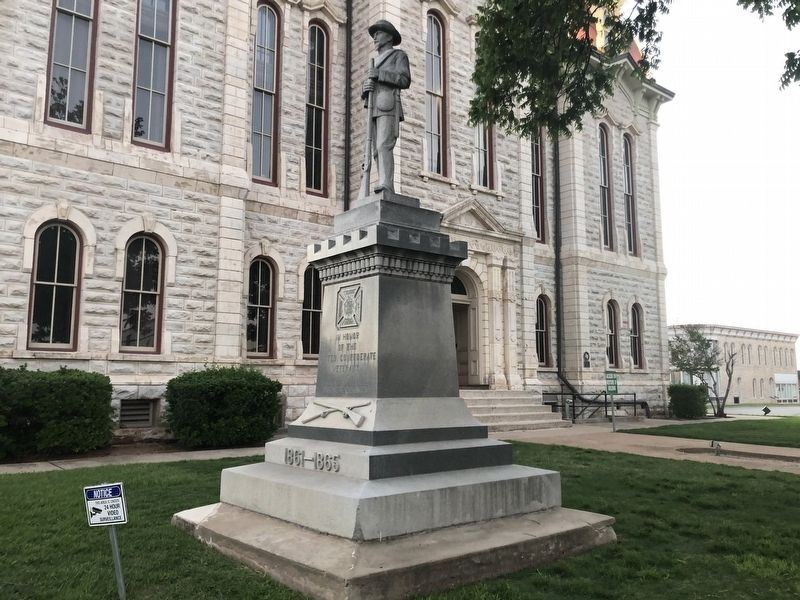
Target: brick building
pixel 164 163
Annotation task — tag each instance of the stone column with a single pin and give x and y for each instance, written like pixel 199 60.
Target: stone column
pixel 494 346
pixel 513 380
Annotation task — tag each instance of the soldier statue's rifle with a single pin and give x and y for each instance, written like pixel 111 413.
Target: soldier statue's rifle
pixel 366 165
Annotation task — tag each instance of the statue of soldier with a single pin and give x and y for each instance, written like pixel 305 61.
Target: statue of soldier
pixel 388 75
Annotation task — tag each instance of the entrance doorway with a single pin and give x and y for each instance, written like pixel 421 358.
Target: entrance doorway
pixel 465 322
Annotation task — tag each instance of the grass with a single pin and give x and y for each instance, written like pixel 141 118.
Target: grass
pixel 687 530
pixel 779 431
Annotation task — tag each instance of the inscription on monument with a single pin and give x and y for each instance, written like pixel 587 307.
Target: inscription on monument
pixel 320 461
pixel 348 306
pixel 347 356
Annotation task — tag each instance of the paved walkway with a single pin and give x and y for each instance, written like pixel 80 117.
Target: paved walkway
pixel 601 437
pixel 593 437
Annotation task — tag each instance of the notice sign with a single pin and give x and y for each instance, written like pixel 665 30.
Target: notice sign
pixel 611 382
pixel 105 504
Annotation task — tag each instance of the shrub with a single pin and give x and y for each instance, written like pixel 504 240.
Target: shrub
pixel 222 406
pixel 58 412
pixel 688 401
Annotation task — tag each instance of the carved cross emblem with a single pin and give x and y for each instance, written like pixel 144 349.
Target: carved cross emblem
pixel 348 306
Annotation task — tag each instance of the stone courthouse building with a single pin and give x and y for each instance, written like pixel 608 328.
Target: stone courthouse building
pixel 165 163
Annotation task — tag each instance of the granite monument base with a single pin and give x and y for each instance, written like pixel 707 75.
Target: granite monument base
pixel 334 568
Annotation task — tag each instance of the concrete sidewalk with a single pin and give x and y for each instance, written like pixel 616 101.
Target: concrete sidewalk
pixel 593 437
pixel 601 437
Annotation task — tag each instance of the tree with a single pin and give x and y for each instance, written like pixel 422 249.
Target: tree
pixel 538 65
pixel 694 354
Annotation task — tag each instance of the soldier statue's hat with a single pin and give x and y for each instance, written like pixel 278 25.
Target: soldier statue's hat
pixel 384 25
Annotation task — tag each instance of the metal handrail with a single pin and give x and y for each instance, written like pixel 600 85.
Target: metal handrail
pixel 579 404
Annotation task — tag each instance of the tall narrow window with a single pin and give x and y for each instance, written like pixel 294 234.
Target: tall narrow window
pixel 606 220
pixel 151 103
pixel 537 188
pixel 483 156
pixel 71 57
pixel 543 331
pixel 141 295
pixel 265 97
pixel 312 311
pixel 316 110
pixel 55 288
pixel 435 97
pixel 259 308
pixel 636 337
pixel 630 200
pixel 612 334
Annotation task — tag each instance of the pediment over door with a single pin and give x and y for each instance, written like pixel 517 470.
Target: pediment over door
pixel 472 215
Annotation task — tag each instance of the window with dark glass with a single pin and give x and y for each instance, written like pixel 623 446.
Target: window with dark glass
pixel 537 188
pixel 605 190
pixel 71 55
pixel 612 335
pixel 543 331
pixel 636 336
pixel 55 288
pixel 141 294
pixel 630 199
pixel 259 308
pixel 435 96
pixel 153 63
pixel 316 109
pixel 483 156
pixel 312 310
pixel 264 137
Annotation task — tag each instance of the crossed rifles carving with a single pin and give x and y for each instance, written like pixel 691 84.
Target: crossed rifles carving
pixel 347 412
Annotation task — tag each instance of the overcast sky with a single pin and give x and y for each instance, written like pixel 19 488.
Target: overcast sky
pixel 729 160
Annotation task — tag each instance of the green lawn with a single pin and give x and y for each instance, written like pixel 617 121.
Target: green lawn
pixel 778 431
pixel 686 530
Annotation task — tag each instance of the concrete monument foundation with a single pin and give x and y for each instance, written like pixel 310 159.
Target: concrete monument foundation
pixel 387 486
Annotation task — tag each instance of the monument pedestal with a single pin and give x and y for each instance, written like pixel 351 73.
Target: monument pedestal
pixel 386 480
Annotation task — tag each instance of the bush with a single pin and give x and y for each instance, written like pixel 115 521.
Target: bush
pixel 220 407
pixel 59 412
pixel 688 401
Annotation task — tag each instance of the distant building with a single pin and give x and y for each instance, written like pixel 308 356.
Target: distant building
pixel 766 365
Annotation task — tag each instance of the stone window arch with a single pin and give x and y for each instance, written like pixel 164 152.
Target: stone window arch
pixel 606 203
pixel 317 108
pixel 260 323
pixel 637 334
pixel 312 311
pixel 612 334
pixel 436 116
pixel 543 331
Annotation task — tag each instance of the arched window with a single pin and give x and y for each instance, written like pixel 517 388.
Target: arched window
pixel 71 61
pixel 636 337
pixel 743 355
pixel 484 156
pixel 317 110
pixel 537 187
pixel 755 395
pixel 631 229
pixel 612 334
pixel 458 288
pixel 435 99
pixel 749 354
pixel 312 310
pixel 260 302
pixel 53 316
pixel 761 388
pixel 154 60
pixel 140 320
pixel 775 356
pixel 543 331
pixel 606 217
pixel 265 94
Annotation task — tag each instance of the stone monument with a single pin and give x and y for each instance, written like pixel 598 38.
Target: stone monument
pixel 386 485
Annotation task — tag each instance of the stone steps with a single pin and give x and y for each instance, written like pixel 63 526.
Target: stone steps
pixel 510 410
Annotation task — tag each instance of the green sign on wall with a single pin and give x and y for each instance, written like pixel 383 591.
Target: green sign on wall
pixel 611 382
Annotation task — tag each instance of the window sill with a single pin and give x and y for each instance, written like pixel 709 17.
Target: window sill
pixel 484 190
pixel 53 354
pixel 427 175
pixel 141 356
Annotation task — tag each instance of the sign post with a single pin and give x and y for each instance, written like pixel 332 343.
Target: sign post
pixel 105 506
pixel 611 389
